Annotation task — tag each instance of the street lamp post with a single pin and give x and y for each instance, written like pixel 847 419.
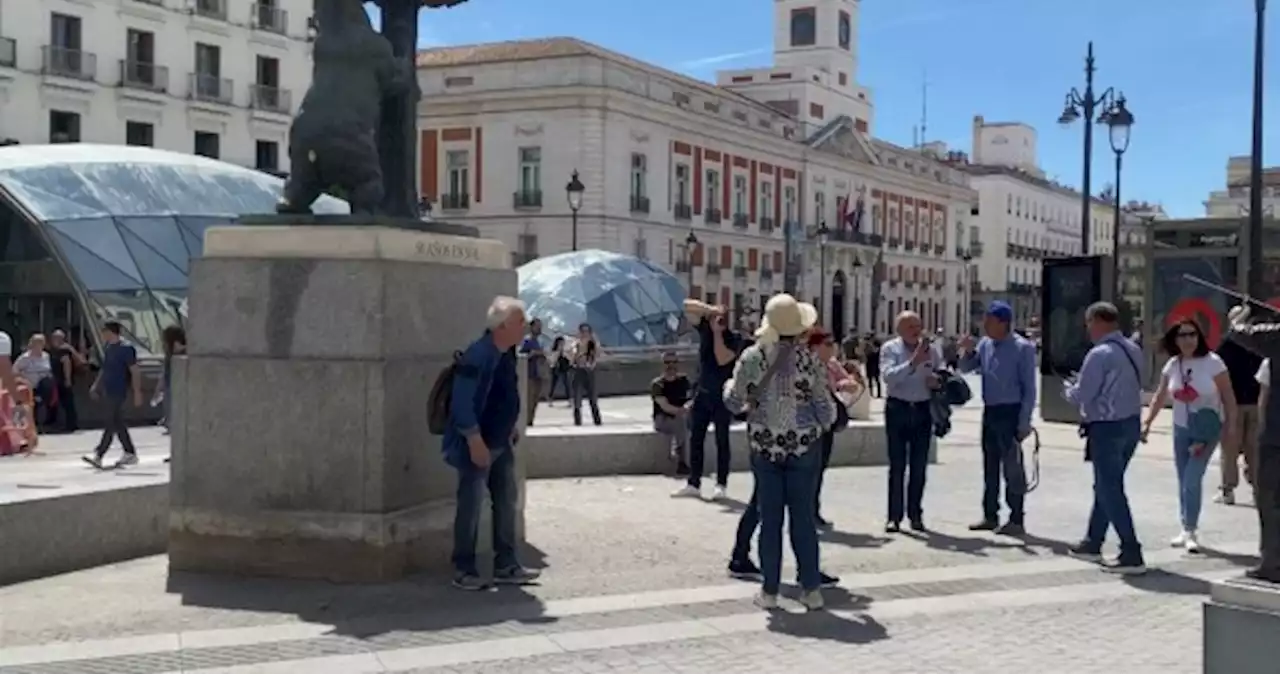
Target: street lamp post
pixel 691 244
pixel 965 289
pixel 1255 160
pixel 1120 121
pixel 574 191
pixel 823 233
pixel 1083 106
pixel 857 294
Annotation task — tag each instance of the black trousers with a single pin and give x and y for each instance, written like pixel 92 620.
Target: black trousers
pixel 115 427
pixel 708 408
pixel 909 426
pixel 828 442
pixel 1267 489
pixel 67 409
pixel 873 382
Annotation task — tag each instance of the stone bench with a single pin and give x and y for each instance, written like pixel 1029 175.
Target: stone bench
pixel 1242 628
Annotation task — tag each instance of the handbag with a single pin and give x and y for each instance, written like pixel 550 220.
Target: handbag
pixel 785 351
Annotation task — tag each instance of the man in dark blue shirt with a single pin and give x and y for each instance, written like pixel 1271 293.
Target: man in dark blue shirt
pixel 718 349
pixel 479 443
pixel 533 347
pixel 117 380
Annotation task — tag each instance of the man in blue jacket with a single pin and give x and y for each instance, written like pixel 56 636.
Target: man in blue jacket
pixel 479 442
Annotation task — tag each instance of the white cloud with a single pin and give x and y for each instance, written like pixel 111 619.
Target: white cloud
pixel 718 59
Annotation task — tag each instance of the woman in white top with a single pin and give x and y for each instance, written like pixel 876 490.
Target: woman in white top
pixel 1196 379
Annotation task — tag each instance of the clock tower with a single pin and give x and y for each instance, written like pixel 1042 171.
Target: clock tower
pixel 818 33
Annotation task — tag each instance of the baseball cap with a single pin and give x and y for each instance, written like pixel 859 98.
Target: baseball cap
pixel 1001 311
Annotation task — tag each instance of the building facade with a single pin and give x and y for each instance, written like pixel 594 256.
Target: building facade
pixel 219 78
pixel 1138 218
pixel 666 159
pixel 1233 202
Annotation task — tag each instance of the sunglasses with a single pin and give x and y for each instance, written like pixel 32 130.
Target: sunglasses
pixel 1188 334
pixel 670 362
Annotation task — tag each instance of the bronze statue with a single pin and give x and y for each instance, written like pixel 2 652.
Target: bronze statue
pixel 1263 338
pixel 333 142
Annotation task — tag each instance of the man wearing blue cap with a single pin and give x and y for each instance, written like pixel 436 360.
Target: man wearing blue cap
pixel 1007 362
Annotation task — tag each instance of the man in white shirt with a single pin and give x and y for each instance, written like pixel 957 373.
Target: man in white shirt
pixel 7 380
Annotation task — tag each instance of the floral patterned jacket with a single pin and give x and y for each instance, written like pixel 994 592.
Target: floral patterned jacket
pixel 796 408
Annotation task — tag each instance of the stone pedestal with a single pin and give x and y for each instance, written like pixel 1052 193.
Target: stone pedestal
pixel 1241 628
pixel 300 442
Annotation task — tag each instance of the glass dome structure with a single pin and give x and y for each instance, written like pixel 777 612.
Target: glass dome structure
pixel 123 224
pixel 628 302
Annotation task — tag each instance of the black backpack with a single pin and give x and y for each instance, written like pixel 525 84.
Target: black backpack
pixel 440 401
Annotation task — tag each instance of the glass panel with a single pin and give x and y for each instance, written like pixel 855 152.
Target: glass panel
pixel 162 235
pixel 136 313
pixel 91 270
pixel 156 271
pixel 100 236
pixel 173 303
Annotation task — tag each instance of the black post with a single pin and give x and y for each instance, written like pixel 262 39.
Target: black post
pixel 1088 104
pixel 1115 235
pixel 575 231
pixel 397 134
pixel 1256 276
pixel 822 283
pixel 788 278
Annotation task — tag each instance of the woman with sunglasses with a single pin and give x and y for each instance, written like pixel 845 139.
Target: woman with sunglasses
pixel 1203 402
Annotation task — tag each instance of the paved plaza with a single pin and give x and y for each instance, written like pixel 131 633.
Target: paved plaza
pixel 634 583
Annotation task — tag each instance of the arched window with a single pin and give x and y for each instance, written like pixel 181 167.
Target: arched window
pixel 804 27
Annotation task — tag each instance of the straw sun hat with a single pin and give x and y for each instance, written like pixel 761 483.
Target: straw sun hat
pixel 786 317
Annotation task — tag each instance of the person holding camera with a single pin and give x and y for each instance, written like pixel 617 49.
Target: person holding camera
pixel 718 349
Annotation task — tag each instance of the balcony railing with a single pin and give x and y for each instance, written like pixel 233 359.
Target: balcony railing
pixel 210 88
pixel 683 266
pixel 271 99
pixel 683 212
pixel 640 204
pixel 1010 250
pixel 711 216
pixel 939 249
pixel 908 245
pixel 893 242
pixel 8 52
pixel 740 272
pixel 713 269
pixel 975 248
pixel 523 199
pixel 766 225
pixel 212 9
pixel 145 76
pixel 766 274
pixel 875 240
pixel 740 221
pixel 270 18
pixel 66 62
pixel 455 202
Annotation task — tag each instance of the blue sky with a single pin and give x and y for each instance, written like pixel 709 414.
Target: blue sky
pixel 1185 66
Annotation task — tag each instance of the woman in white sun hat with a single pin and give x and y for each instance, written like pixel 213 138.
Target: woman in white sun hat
pixel 782 388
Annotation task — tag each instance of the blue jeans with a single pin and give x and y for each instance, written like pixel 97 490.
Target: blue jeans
pixel 785 489
pixel 1190 477
pixel 500 480
pixel 1002 455
pixel 909 428
pixel 1111 448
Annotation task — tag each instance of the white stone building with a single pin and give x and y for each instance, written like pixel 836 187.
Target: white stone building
pixel 664 156
pixel 221 78
pixel 1233 202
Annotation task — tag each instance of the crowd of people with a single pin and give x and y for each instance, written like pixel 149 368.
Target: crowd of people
pixel 794 385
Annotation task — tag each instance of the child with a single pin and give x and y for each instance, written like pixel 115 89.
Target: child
pixel 18 434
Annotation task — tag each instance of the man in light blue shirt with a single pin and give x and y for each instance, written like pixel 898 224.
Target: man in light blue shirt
pixel 1108 391
pixel 908 364
pixel 1008 366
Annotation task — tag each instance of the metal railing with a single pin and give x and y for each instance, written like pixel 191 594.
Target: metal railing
pixel 210 88
pixel 268 17
pixel 146 76
pixel 683 212
pixel 712 216
pixel 8 52
pixel 740 221
pixel 713 268
pixel 766 274
pixel 527 199
pixel 766 225
pixel 212 9
pixel 271 99
pixel 740 272
pixel 639 204
pixel 455 202
pixel 67 62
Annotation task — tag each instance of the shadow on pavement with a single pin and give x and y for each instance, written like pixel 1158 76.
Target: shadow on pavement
pixel 420 603
pixel 829 627
pixel 979 545
pixel 1162 581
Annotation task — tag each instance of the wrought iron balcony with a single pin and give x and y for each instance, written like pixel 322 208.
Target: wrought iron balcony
pixel 875 240
pixel 270 18
pixel 908 245
pixel 740 221
pixel 1010 250
pixel 145 76
pixel 455 202
pixel 211 88
pixel 526 199
pixel 740 272
pixel 212 9
pixel 975 249
pixel 711 216
pixel 766 225
pixel 71 63
pixel 893 242
pixel 8 52
pixel 939 249
pixel 640 204
pixel 683 212
pixel 766 274
pixel 271 99
pixel 713 269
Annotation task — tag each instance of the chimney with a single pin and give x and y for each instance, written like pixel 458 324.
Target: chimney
pixel 976 150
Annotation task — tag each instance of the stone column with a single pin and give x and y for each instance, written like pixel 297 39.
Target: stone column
pixel 302 447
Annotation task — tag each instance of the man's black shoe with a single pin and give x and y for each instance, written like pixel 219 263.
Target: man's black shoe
pixel 1011 529
pixel 892 527
pixel 984 525
pixel 744 569
pixel 1087 551
pixel 918 525
pixel 1266 575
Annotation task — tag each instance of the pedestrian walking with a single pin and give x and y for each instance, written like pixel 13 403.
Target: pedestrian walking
pixel 1007 363
pixel 844 388
pixel 909 364
pixel 1241 444
pixel 1108 392
pixel 718 349
pixel 672 395
pixel 117 379
pixel 871 352
pixel 560 368
pixel 538 370
pixel 781 386
pixel 1264 339
pixel 1204 407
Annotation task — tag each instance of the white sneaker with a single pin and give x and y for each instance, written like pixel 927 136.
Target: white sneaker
pixel 687 491
pixel 1225 497
pixel 768 602
pixel 718 494
pixel 1180 540
pixel 1192 544
pixel 127 460
pixel 812 600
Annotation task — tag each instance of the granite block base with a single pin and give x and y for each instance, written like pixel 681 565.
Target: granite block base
pixel 1241 628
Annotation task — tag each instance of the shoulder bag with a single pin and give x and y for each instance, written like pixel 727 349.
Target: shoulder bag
pixel 785 351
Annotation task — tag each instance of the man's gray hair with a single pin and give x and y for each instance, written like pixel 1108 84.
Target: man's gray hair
pixel 1102 311
pixel 905 316
pixel 501 309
